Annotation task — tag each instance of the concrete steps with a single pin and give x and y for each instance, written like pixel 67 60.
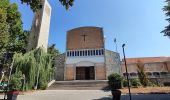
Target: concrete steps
pixel 79 85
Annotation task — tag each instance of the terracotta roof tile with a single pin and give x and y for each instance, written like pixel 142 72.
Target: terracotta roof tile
pixel 147 59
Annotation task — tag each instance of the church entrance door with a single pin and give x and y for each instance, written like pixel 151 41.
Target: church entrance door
pixel 85 73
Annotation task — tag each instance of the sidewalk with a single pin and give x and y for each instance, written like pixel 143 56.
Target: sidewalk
pixel 85 95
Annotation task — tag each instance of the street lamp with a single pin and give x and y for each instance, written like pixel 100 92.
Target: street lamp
pixel 127 76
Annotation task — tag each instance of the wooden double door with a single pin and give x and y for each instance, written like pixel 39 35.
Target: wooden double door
pixel 85 73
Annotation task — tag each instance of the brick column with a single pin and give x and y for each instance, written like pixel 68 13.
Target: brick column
pixel 100 71
pixel 69 72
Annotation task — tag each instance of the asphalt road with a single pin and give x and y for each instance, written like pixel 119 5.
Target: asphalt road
pixel 85 95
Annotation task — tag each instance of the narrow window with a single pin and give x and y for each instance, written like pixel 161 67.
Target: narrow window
pixel 88 52
pixel 70 53
pixel 91 52
pixel 80 53
pixel 77 53
pixel 97 52
pixel 83 53
pixel 94 52
pixel 73 53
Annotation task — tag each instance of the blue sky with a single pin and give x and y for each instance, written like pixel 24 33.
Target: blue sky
pixel 137 23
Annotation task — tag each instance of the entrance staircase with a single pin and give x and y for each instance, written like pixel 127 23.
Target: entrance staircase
pixel 79 85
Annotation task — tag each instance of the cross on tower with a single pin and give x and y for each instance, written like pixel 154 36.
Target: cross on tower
pixel 84 37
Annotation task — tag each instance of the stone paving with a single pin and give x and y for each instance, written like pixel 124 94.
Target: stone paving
pixel 84 95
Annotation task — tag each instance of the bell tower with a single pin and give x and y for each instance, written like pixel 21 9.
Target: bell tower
pixel 40 27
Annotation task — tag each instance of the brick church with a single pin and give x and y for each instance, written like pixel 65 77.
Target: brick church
pixel 86 57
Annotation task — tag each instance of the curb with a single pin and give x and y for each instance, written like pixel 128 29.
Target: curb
pixel 146 93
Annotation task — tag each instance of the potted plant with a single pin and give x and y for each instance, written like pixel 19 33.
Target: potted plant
pixel 115 83
pixel 14 87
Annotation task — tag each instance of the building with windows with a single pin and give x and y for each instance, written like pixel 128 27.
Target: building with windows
pixel 155 67
pixel 86 57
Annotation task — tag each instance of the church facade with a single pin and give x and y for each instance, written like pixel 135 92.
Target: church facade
pixel 86 57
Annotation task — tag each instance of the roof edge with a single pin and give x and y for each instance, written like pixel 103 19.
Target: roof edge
pixel 84 27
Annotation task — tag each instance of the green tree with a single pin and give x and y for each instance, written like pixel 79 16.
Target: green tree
pixel 24 39
pixel 36 4
pixel 36 66
pixel 135 82
pixel 11 27
pixel 142 74
pixel 166 8
pixel 4 35
pixel 53 52
pixel 12 37
pixel 15 28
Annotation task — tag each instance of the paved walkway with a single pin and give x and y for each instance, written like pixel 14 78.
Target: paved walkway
pixel 84 95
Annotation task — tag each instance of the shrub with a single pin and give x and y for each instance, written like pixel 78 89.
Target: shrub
pixel 156 83
pixel 125 83
pixel 5 78
pixel 152 83
pixel 115 81
pixel 135 82
pixel 43 85
pixel 142 74
pixel 36 65
pixel 15 82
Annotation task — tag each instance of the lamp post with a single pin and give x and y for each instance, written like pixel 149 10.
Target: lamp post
pixel 127 76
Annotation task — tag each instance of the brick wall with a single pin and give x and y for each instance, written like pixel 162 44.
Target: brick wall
pixel 149 67
pixel 69 72
pixel 100 71
pixel 93 39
